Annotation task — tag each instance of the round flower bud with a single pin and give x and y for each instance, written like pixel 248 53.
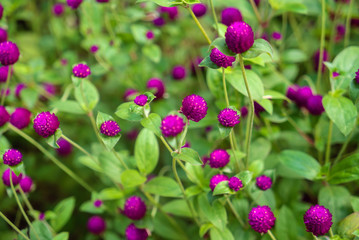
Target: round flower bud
pixel 172 12
pixel 258 108
pixel 134 233
pixel 244 111
pixel 315 105
pixel 110 128
pixel 217 179
pixel 150 35
pixel 277 36
pixel 4 116
pixel 3 35
pixel 194 64
pixel 228 117
pixel 12 157
pixel 134 208
pixel 96 225
pixel 9 53
pixel 81 70
pixel 194 107
pixel 58 9
pixel 26 184
pixel 172 125
pixel 4 70
pixel 94 48
pixel 18 89
pixel 231 15
pixel 316 59
pixel 199 9
pixel 74 4
pixel 65 148
pixel 20 118
pixel 6 178
pixel 263 182
pixel 46 124
pixel 129 93
pixel 159 22
pixel 218 158
pixel 179 73
pixel 292 92
pixel 303 94
pixel 220 59
pixel 261 219
pixel 141 100
pixel 98 203
pixel 318 220
pixel 235 183
pixel 157 85
pixel 239 37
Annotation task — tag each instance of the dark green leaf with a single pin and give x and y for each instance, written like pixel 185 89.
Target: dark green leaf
pixel 41 230
pixel 216 213
pixel 111 165
pixel 62 236
pixel 146 151
pixel 286 227
pixel 29 96
pixel 163 186
pixel 63 211
pixel 178 208
pixel 153 123
pixel 346 170
pixel 206 62
pixel 131 178
pixel 188 155
pixel 52 140
pixel 87 95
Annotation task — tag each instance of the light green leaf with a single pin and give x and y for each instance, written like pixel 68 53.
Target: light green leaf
pixel 87 95
pixel 131 178
pixel 259 47
pixel 129 111
pixel 153 123
pixel 63 211
pixel 146 151
pixel 163 186
pixel 188 155
pixel 153 52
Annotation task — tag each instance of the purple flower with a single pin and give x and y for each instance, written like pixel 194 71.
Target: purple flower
pixel 217 179
pixel 231 15
pixel 46 124
pixel 110 128
pixel 257 2
pixel 134 233
pixel 186 145
pixel 277 36
pixel 50 89
pixel 4 116
pixel 315 105
pixel 132 135
pixel 199 9
pixel 258 108
pixel 292 92
pixel 150 35
pixel 42 216
pixel 172 12
pixel 20 118
pixel 159 22
pixel 19 88
pixel 58 9
pixel 64 61
pixel 263 182
pixel 94 48
pixel 9 53
pixel 129 93
pixel 12 157
pixel 244 111
pixel 318 220
pixel 102 1
pixel 26 184
pixel 239 37
pixel 303 94
pixel 74 3
pixel 228 117
pixel 194 64
pixel 157 85
pixel 4 70
pixel 172 125
pixel 3 35
pixel 218 158
pixel 179 72
pixel 141 100
pixel 134 208
pixel 65 148
pixel 220 59
pixel 205 160
pixel 6 178
pixel 96 225
pixel 6 92
pixel 98 203
pixel 341 30
pixel 316 59
pixel 261 219
pixel 81 70
pixel 1 11
pixel 235 183
pixel 194 107
pixel 357 77
pixel 335 74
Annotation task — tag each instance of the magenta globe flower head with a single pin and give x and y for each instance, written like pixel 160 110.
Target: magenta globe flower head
pixel 172 125
pixel 179 72
pixel 26 184
pixel 217 179
pixel 228 117
pixel 98 203
pixel 4 70
pixel 20 118
pixel 96 225
pixel 3 35
pixel 318 220
pixel 74 4
pixel 81 70
pixel 194 107
pixel 258 108
pixel 4 116
pixel 110 128
pixel 58 9
pixel 9 53
pixel 220 59
pixel 239 37
pixel 218 158
pixel 261 219
pixel 157 85
pixel 12 157
pixel 65 148
pixel 292 92
pixel 315 105
pixel 264 182
pixel 94 48
pixel 134 233
pixel 134 208
pixel 303 94
pixel 316 59
pixel 172 12
pixel 150 35
pixel 6 178
pixel 335 74
pixel 19 88
pixel 141 100
pixel 231 15
pixel 186 145
pixel 46 124
pixel 159 22
pixel 199 9
pixel 244 111
pixel 129 93
pixel 235 183
pixel 277 36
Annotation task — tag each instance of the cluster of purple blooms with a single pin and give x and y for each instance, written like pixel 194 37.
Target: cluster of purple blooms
pixel 24 182
pixel 304 97
pixel 234 183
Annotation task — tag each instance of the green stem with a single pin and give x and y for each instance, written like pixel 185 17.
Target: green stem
pixel 52 158
pixel 13 226
pixel 225 87
pixel 315 237
pixel 28 204
pixel 199 25
pixel 251 112
pixel 93 123
pixel 181 143
pixel 120 159
pixel 321 50
pixel 256 12
pixel 271 235
pixel 231 137
pixel 327 152
pixel 234 212
pixel 64 96
pixel 3 94
pixel 78 147
pixel 166 144
pixel 344 147
pixel 331 232
pixel 301 133
pixel 347 24
pixel 214 15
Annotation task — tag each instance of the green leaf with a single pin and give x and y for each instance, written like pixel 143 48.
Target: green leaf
pixel 29 96
pixel 146 151
pixel 264 198
pixel 341 111
pixel 354 201
pixel 295 6
pixel 224 131
pixel 164 3
pixel 346 170
pixel 63 211
pixel 188 155
pixel 109 142
pixel 204 228
pixel 354 93
pixel 52 140
pixel 110 165
pixel 220 43
pixel 110 194
pixel 153 123
pixel 41 230
pixel 286 227
pixel 223 234
pixel 132 178
pixel 294 56
pixel 178 208
pixel 129 111
pixel 87 95
pixel 207 62
pixel 223 188
pixel 215 213
pixel 348 225
pixel 167 229
pixel 267 105
pixel 245 177
pixel 90 208
pixel 256 167
pixel 270 94
pixel 153 52
pixel 68 106
pixel 260 46
pixel 17 169
pixel 295 164
pixel 62 236
pixel 163 186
